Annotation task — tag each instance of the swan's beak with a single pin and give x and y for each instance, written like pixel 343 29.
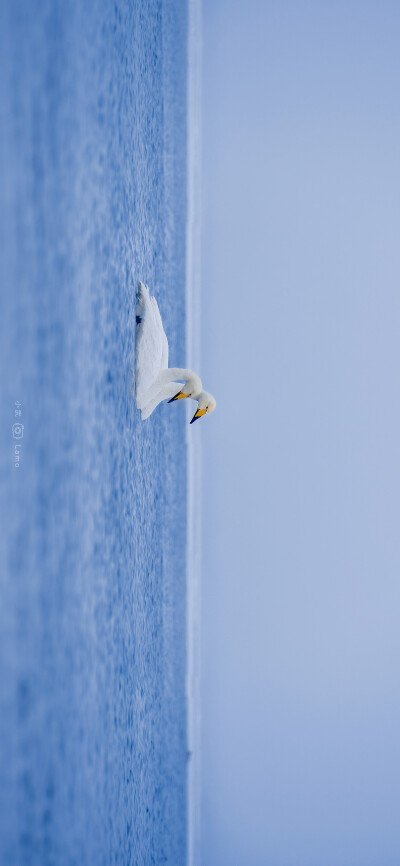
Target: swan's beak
pixel 198 414
pixel 178 396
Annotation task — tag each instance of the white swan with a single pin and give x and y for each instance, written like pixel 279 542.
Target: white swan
pixel 155 381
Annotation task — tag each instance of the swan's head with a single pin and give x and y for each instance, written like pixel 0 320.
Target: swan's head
pixel 206 404
pixel 191 388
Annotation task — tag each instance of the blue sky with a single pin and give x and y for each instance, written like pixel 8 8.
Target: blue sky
pixel 301 487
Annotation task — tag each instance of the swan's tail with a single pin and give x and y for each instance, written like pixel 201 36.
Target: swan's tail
pixel 142 297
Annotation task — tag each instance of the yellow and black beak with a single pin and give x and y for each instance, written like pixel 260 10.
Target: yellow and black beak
pixel 178 396
pixel 198 414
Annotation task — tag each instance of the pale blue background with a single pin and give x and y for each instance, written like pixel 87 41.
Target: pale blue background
pixel 301 328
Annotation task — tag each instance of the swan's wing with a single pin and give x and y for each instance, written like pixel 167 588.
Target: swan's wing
pixel 163 336
pixel 151 342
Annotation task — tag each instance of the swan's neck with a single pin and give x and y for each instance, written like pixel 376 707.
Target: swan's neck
pixel 165 393
pixel 165 377
pixel 171 374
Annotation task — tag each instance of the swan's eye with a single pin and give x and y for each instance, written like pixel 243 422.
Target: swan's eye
pixel 206 408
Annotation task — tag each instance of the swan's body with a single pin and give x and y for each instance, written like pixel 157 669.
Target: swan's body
pixel 155 381
pixel 151 344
